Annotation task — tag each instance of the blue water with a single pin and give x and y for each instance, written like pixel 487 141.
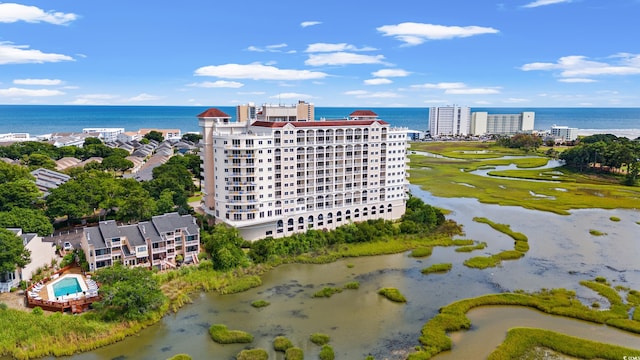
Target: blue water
pixel 66 286
pixel 44 119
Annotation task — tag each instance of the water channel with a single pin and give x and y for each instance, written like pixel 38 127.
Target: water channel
pixel 360 322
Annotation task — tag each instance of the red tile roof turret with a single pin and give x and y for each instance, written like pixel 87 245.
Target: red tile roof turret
pixel 363 113
pixel 213 113
pixel 279 124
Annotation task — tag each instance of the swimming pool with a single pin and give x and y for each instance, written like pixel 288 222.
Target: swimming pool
pixel 66 286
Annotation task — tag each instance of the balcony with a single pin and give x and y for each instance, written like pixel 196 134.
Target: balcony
pixel 159 250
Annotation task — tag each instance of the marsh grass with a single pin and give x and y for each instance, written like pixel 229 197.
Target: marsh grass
pixel 281 343
pixel 614 219
pixel 596 232
pixel 392 294
pixel 319 338
pixel 437 268
pixel 253 354
pixel 519 341
pixel 353 285
pixel 422 252
pixel 326 353
pixel 294 353
pixel 180 357
pixel 581 191
pixel 503 228
pixel 327 292
pixel 260 303
pixel 478 246
pixel 220 334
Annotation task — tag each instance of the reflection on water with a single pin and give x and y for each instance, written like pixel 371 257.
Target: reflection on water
pixel 360 322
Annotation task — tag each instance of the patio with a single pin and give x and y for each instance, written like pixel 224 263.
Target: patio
pixel 42 294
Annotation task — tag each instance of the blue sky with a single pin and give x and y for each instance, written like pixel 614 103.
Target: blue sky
pixel 418 53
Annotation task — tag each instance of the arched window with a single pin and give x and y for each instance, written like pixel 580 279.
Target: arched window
pixel 300 220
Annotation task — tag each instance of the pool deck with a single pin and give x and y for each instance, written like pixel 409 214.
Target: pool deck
pixel 42 294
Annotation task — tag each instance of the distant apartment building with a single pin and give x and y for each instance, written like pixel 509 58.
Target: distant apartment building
pixel 483 123
pixel 288 173
pixel 449 120
pixel 564 133
pixel 47 180
pixel 154 243
pixel 105 134
pixel 15 137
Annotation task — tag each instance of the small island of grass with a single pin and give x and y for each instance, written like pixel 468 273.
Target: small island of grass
pixel 326 353
pixel 220 334
pixel 281 343
pixel 319 338
pixel 327 292
pixel 422 252
pixel 392 294
pixel 437 268
pixel 253 354
pixel 595 232
pixel 614 219
pixel 294 353
pixel 260 303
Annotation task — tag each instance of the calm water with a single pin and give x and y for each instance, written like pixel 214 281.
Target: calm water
pixel 43 119
pixel 360 322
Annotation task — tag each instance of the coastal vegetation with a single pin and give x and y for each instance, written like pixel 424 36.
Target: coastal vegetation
pixel 281 343
pixel 470 248
pixel 326 353
pixel 564 188
pixel 260 303
pixel 392 294
pixel 561 302
pixel 437 268
pixel 521 246
pixel 319 338
pixel 327 292
pixel 595 232
pixel 253 354
pixel 220 334
pixel 294 353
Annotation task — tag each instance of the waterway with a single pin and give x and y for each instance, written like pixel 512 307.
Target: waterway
pixel 360 322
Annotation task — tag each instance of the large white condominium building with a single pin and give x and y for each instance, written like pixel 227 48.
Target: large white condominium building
pixel 449 120
pixel 302 111
pixel 106 134
pixel 276 178
pixel 564 133
pixel 483 123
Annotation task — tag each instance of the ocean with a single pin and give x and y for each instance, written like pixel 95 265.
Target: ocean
pixel 45 119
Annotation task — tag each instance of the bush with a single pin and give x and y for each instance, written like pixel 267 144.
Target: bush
pixel 319 338
pixel 3 306
pixel 392 294
pixel 326 353
pixel 294 353
pixel 281 343
pixel 220 334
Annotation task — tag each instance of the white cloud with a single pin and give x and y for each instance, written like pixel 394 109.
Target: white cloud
pixel 218 84
pixel 12 12
pixel 251 93
pixel 482 102
pixel 515 100
pixel 417 33
pixel 544 3
pixel 458 88
pixel 291 96
pixel 257 72
pixel 377 81
pixel 93 99
pixel 327 47
pixel 29 92
pixel 577 80
pixel 386 73
pixel 342 58
pixel 362 94
pixel 577 66
pixel 41 82
pixel 310 23
pixel 144 97
pixel 21 54
pixel 268 48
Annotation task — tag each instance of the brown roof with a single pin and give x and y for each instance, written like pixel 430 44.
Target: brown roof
pixel 279 124
pixel 213 113
pixel 367 113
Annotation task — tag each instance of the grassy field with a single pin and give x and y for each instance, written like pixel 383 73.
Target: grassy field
pixel 562 190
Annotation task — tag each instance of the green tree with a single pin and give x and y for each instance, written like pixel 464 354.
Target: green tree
pixel 165 202
pixel 21 193
pixel 69 199
pixel 12 252
pixel 116 163
pixel 224 244
pixel 192 137
pixel 127 293
pixel 36 161
pixel 154 135
pixel 29 220
pixel 9 172
pixel 135 203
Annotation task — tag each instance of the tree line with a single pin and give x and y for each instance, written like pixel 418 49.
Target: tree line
pixel 606 153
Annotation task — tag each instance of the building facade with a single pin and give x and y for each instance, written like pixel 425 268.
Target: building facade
pixel 483 123
pixel 276 178
pixel 43 253
pixel 449 120
pixel 564 133
pixel 156 243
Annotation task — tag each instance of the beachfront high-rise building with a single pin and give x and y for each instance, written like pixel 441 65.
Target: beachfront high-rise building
pixel 449 120
pixel 246 112
pixel 285 175
pixel 483 123
pixel 564 133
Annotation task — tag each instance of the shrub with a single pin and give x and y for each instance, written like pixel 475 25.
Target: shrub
pixel 392 294
pixel 319 338
pixel 326 353
pixel 260 303
pixel 220 334
pixel 3 306
pixel 253 354
pixel 437 268
pixel 281 343
pixel 294 353
pixel 37 311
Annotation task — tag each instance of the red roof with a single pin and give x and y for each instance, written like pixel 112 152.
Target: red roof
pixel 279 124
pixel 367 113
pixel 213 113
